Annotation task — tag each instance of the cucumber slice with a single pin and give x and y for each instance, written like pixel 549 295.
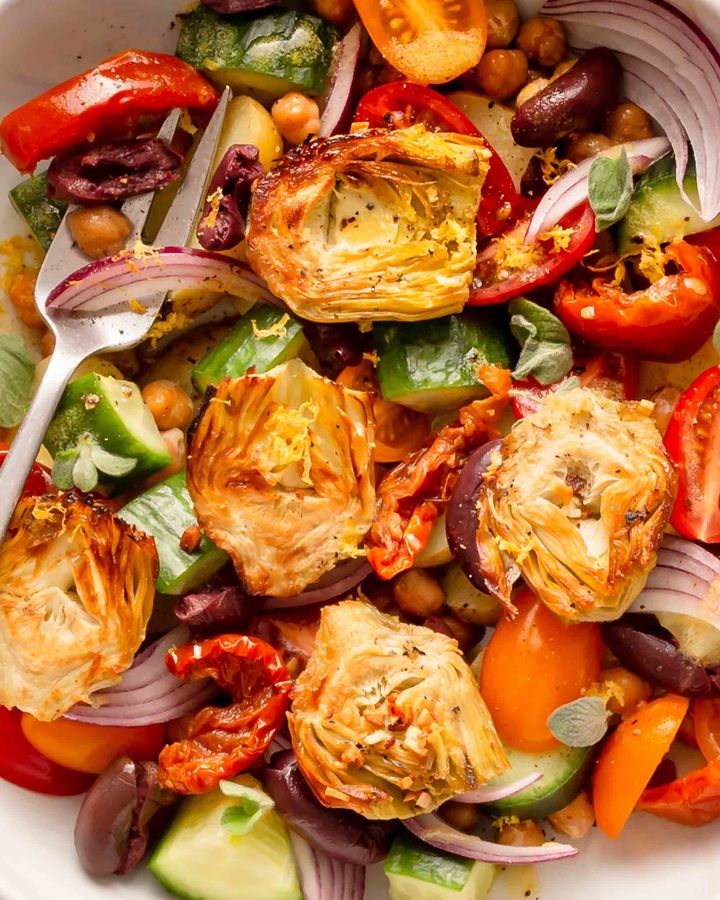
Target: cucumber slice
pixel 245 346
pixel 113 412
pixel 418 872
pixel 165 511
pixel 658 212
pixel 41 214
pixel 265 56
pixel 432 366
pixel 199 860
pixel 564 772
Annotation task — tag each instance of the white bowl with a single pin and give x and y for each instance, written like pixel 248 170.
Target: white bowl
pixel 41 43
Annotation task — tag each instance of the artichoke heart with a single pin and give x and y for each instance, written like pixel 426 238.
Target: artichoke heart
pixel 576 500
pixel 281 475
pixel 77 586
pixel 387 719
pixel 377 225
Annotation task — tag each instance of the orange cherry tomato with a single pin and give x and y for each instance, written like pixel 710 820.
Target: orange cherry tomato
pixel 706 716
pixel 532 665
pixel 399 431
pixel 629 758
pixel 430 41
pixel 86 747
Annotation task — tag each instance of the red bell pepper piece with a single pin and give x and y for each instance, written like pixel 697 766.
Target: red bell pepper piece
pixel 131 89
pixel 693 800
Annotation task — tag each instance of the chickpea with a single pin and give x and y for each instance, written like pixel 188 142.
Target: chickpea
pixel 21 292
pixel 99 231
pixel 465 634
pixel 543 40
pixel 177 448
pixel 503 21
pixel 632 689
pixel 585 144
pixel 296 116
pixel 501 73
pixel 417 593
pixel 169 404
pixel 336 11
pixel 531 88
pixel 575 819
pixel 665 401
pixel 628 122
pixel 521 834
pixel 463 816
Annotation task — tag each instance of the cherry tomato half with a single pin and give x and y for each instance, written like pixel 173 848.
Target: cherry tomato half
pixel 23 765
pixel 86 747
pixel 693 441
pixel 532 665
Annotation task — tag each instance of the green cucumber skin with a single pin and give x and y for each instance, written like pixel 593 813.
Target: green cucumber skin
pixel 549 794
pixel 41 214
pixel 285 49
pixel 164 512
pixel 438 357
pixel 240 348
pixel 417 860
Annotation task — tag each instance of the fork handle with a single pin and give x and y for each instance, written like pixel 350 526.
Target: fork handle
pixel 19 460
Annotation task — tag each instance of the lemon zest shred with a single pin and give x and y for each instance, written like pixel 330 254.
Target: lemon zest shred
pixel 214 199
pixel 136 306
pixel 552 168
pixel 276 330
pixel 559 236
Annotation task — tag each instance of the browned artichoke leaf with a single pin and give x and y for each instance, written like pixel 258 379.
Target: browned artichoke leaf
pixel 76 590
pixel 281 475
pixel 576 500
pixel 387 718
pixel 379 225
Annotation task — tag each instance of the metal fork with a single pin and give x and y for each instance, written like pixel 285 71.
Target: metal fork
pixel 77 338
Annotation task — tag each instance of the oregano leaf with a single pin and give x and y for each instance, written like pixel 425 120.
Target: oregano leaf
pixel 111 463
pixel 546 353
pixel 16 379
pixel 610 188
pixel 580 723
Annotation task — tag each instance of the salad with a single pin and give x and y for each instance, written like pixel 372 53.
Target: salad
pixel 395 542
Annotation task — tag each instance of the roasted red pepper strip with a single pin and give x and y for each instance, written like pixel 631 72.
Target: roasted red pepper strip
pixel 495 281
pixel 413 494
pixel 132 88
pixel 669 321
pixel 402 103
pixel 693 800
pixel 220 742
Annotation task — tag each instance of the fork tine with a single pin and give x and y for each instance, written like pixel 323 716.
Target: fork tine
pixel 137 208
pixel 177 227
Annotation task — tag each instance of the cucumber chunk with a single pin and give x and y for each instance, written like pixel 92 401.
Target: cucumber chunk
pixel 112 411
pixel 165 511
pixel 564 772
pixel 264 337
pixel 199 859
pixel 658 212
pixel 418 872
pixel 433 366
pixel 265 56
pixel 41 214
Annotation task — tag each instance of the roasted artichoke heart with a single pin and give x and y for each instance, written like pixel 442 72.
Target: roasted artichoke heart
pixel 378 225
pixel 76 590
pixel 281 475
pixel 576 500
pixel 387 718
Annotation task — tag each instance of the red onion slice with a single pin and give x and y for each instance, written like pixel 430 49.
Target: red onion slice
pixel 111 282
pixel 489 794
pixel 344 577
pixel 338 97
pixel 572 189
pixel 433 831
pixel 324 878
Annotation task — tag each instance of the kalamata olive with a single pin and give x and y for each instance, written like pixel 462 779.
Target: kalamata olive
pixel 532 183
pixel 655 658
pixel 576 101
pixel 340 833
pixel 112 827
pixel 221 608
pixel 222 223
pixel 335 344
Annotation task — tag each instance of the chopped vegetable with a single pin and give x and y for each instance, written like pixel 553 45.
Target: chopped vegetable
pixel 41 214
pixel 222 221
pixel 692 800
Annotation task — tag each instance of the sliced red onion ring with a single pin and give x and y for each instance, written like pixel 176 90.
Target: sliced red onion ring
pixel 433 831
pixel 110 282
pixel 148 692
pixel 344 577
pixel 572 189
pixel 338 97
pixel 684 97
pixel 325 878
pixel 489 794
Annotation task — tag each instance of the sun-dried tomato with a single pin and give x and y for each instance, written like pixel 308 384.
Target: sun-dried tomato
pixel 220 742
